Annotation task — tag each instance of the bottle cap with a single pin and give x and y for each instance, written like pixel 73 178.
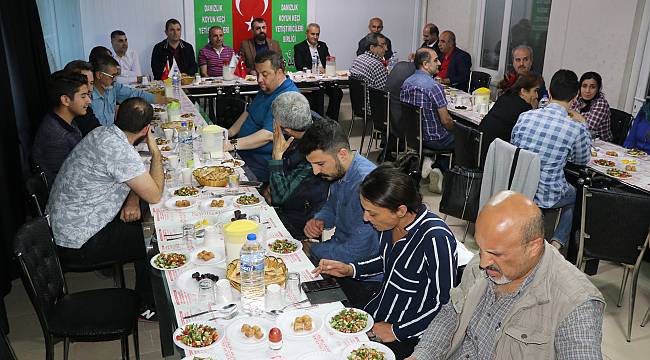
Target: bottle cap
pixel 184 123
pixel 251 237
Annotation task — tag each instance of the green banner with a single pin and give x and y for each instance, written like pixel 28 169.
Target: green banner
pixel 208 13
pixel 289 26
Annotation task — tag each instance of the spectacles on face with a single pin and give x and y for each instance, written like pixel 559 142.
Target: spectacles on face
pixel 109 75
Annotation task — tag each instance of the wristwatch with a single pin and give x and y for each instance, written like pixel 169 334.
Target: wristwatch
pixel 234 142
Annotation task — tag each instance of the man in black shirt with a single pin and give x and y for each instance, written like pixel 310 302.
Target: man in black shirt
pixel 58 135
pixel 173 48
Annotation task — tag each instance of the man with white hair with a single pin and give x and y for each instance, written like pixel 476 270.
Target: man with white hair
pixel 293 189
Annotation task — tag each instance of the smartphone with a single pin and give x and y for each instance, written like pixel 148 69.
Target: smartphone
pixel 318 285
pixel 251 183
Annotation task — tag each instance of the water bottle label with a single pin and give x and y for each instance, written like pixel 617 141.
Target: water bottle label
pixel 252 267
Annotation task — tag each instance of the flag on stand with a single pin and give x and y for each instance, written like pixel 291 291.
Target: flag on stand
pixel 165 73
pixel 241 70
pixel 169 69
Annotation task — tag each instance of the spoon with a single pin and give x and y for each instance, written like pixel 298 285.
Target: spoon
pixel 281 310
pixel 225 317
pixel 225 308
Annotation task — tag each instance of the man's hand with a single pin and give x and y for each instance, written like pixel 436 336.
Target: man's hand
pixel 384 331
pixel 131 209
pixel 333 267
pixel 151 142
pixel 314 228
pixel 576 116
pixel 280 145
pixel 445 81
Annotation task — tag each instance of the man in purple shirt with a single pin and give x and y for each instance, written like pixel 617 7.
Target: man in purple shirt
pixel 215 55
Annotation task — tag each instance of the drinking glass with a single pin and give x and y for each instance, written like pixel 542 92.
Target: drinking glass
pixel 292 287
pixel 206 293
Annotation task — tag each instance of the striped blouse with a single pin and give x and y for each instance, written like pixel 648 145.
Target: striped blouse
pixel 419 270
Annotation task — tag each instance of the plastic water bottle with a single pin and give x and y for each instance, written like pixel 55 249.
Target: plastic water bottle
pixel 314 65
pixel 251 262
pixel 543 102
pixel 176 79
pixel 186 146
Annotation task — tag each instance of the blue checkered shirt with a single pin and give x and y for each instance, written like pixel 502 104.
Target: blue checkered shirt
pixel 368 67
pixel 556 138
pixel 421 90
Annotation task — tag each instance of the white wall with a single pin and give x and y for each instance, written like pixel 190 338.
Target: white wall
pixel 458 16
pixel 343 23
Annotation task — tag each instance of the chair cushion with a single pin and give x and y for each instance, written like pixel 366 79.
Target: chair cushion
pixel 95 315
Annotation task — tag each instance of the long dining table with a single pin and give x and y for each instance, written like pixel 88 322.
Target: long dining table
pixel 175 300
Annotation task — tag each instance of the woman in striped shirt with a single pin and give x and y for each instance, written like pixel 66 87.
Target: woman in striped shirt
pixel 417 257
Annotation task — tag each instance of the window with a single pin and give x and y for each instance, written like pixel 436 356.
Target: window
pixel 506 24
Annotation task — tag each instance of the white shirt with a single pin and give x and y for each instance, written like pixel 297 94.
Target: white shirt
pixel 129 67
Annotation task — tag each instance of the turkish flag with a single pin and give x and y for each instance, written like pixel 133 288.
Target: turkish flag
pixel 243 13
pixel 241 70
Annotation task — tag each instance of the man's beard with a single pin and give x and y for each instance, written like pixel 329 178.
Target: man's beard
pixel 340 172
pixel 503 280
pixel 260 37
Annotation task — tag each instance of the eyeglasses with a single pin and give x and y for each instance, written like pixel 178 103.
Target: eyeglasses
pixel 109 75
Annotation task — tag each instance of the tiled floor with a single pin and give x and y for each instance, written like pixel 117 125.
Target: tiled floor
pixel 27 339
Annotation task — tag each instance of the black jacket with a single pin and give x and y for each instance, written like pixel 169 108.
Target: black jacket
pixel 434 47
pixel 500 120
pixel 162 54
pixel 302 54
pixel 459 69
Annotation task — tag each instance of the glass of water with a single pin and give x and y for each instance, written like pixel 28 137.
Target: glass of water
pixel 206 293
pixel 292 287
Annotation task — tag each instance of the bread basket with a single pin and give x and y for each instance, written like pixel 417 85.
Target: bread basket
pixel 216 176
pixel 275 272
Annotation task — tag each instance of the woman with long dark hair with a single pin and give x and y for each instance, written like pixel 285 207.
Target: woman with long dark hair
pixel 592 105
pixel 499 121
pixel 418 258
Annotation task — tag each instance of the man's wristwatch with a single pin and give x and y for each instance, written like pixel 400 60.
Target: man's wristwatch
pixel 234 142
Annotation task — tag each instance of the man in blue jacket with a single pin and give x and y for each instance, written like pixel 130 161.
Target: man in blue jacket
pixel 254 127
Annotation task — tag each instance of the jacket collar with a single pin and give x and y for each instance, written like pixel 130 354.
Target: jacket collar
pixel 166 44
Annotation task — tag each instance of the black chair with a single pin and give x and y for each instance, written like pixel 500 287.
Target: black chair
pixel 623 242
pixel 620 123
pixel 467 146
pixel 6 352
pixel 478 79
pixel 412 124
pixel 378 102
pixel 87 316
pixel 38 192
pixel 358 100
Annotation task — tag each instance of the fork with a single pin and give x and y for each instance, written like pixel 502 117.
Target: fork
pixel 225 317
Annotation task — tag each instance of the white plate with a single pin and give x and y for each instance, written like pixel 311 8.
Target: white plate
pixel 285 323
pixel 617 156
pixel 171 203
pixel 239 163
pixel 210 355
pixel 316 355
pixel 369 325
pixel 186 347
pixel 237 338
pixel 388 353
pixel 186 283
pixel 153 264
pixel 270 241
pixel 234 201
pixel 602 166
pixel 227 203
pixel 218 257
pixel 171 192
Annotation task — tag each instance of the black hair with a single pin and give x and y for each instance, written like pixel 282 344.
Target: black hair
pixel 171 22
pixel 98 51
pixel 103 62
pixel 599 82
pixel 564 85
pixel 258 20
pixel 422 55
pixel 525 81
pixel 389 188
pixel 274 57
pixel 433 30
pixel 65 83
pixel 77 66
pixel 325 135
pixel 133 115
pixel 372 39
pixel 117 33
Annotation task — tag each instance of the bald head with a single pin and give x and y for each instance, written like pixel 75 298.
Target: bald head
pixel 447 42
pixel 376 25
pixel 510 235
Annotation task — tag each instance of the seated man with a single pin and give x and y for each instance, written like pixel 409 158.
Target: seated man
pixel 91 207
pixel 558 135
pixel 421 90
pixel 257 45
pixel 303 54
pixel 375 26
pixel 368 66
pixel 88 122
pixel 108 93
pixel 327 149
pixel 215 55
pixel 128 59
pixel 522 62
pixel 173 48
pixel 519 298
pixel 58 134
pixel 417 284
pixel 456 63
pixel 254 127
pixel 295 192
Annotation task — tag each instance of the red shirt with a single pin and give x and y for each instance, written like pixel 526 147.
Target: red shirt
pixel 445 65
